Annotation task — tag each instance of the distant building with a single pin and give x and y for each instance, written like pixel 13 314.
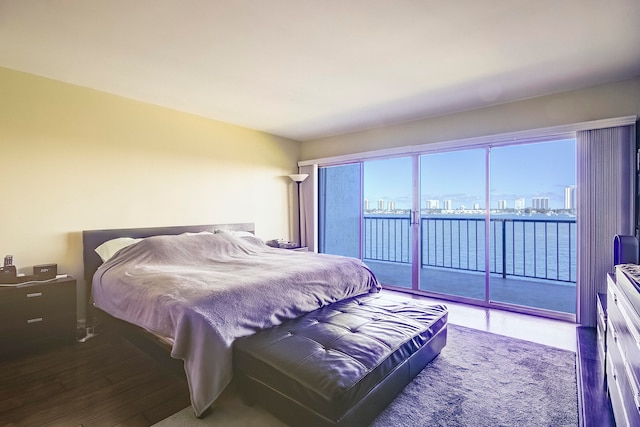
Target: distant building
pixel 366 204
pixel 433 204
pixel 391 205
pixel 476 206
pixel 502 204
pixel 519 204
pixel 570 197
pixel 380 205
pixel 540 203
pixel 447 205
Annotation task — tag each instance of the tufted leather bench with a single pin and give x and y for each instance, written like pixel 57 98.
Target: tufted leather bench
pixel 341 364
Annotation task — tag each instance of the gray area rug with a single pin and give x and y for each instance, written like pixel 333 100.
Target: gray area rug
pixel 479 379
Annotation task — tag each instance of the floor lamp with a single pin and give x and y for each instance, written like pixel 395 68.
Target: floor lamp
pixel 298 178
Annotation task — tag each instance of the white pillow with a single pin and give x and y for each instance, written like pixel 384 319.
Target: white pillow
pixel 237 233
pixel 110 247
pixel 191 233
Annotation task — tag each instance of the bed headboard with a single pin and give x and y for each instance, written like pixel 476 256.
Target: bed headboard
pixel 91 239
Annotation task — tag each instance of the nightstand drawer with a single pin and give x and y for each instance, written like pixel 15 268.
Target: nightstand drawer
pixel 46 293
pixel 36 314
pixel 29 328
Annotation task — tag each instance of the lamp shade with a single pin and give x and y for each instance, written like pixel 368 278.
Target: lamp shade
pixel 299 177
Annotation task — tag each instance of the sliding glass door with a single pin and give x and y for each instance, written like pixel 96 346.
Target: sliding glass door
pixel 387 236
pixel 365 212
pixel 533 226
pixel 489 225
pixel 452 217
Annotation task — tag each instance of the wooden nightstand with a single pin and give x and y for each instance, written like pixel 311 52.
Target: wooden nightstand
pixel 37 314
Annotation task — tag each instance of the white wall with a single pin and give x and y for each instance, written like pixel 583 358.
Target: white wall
pixel 598 102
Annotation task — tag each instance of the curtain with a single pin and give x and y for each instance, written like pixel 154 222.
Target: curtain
pixel 605 200
pixel 308 208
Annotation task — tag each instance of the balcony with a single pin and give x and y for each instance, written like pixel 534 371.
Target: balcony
pixel 531 262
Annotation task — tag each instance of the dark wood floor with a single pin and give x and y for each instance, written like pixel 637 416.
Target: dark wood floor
pixel 596 407
pixel 104 382
pixel 107 381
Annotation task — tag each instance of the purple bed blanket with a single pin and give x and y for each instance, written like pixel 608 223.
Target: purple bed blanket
pixel 205 290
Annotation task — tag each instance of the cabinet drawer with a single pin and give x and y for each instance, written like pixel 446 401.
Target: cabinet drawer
pixel 37 307
pixel 615 393
pixel 21 324
pixel 627 352
pixel 36 300
pixel 622 385
pixel 602 350
pixel 601 307
pixel 601 329
pixel 39 327
pixel 618 304
pixel 626 334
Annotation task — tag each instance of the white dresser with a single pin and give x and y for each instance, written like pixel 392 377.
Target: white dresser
pixel 623 347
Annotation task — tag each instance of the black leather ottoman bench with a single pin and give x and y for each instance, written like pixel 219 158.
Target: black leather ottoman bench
pixel 341 364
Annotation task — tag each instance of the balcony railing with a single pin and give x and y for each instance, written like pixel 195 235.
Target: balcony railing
pixel 540 248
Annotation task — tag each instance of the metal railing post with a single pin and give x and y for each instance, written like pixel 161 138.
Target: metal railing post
pixel 504 249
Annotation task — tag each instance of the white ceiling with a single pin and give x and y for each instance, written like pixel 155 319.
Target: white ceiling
pixel 305 69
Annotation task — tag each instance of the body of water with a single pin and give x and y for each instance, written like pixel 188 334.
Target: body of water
pixel 533 245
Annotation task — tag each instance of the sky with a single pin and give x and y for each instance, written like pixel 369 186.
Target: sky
pixel 517 171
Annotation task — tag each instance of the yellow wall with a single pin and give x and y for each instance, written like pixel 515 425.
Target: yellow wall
pixel 73 159
pixel 598 102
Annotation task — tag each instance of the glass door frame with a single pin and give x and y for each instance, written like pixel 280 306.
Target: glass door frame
pixel 415 223
pixel 487 226
pixel 388 230
pixel 422 288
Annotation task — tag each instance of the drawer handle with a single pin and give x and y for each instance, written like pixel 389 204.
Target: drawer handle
pixel 632 382
pixel 611 369
pixel 34 294
pixel 627 319
pixel 614 333
pixel 36 320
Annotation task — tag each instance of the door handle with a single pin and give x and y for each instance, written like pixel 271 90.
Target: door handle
pixel 415 217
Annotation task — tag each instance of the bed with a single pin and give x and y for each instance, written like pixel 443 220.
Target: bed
pixel 199 288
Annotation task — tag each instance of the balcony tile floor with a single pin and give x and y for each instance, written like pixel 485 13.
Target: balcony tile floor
pixel 542 294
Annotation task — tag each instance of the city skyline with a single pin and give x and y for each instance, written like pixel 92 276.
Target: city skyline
pixel 537 203
pixel 518 172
